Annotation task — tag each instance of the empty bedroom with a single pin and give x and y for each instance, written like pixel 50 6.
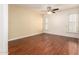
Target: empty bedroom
pixel 43 29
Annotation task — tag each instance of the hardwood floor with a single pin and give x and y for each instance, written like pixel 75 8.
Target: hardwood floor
pixel 44 44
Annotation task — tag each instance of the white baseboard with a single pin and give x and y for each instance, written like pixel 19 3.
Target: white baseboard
pixel 61 35
pixel 37 34
pixel 23 36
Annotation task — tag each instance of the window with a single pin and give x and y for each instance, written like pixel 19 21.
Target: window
pixel 73 23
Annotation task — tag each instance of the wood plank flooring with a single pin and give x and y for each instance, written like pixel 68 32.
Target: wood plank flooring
pixel 44 44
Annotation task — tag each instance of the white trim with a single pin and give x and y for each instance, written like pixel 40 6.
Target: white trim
pixel 16 38
pixel 4 29
pixel 61 35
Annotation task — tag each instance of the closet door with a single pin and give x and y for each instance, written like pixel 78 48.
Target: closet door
pixel 73 23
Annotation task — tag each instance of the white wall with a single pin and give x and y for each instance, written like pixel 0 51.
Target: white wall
pixel 58 23
pixel 3 29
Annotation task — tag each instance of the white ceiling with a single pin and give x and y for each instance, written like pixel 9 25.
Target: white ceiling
pixel 43 7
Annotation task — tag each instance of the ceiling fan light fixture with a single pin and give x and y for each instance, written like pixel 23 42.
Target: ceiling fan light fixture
pixel 49 12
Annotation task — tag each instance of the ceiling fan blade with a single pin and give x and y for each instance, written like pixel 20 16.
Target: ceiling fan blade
pixel 53 12
pixel 55 9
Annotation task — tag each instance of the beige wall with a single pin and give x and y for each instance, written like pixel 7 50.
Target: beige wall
pixel 23 22
pixel 58 23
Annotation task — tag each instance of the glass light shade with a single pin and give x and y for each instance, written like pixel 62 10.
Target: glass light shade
pixel 49 12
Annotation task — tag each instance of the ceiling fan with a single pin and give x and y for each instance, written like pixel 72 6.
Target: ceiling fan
pixel 49 9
